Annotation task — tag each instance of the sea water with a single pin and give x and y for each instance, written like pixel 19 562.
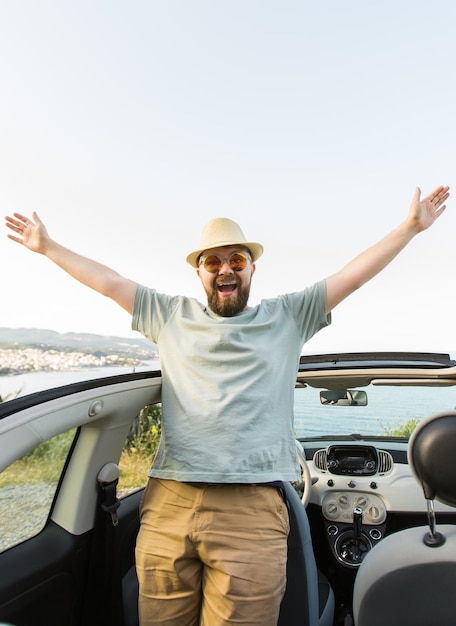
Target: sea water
pixel 388 408
pixel 23 384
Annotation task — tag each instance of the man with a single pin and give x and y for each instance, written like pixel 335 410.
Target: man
pixel 213 539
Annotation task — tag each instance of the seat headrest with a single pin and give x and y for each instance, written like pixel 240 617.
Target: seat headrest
pixel 432 456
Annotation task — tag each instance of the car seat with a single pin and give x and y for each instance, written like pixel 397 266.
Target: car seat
pixel 309 598
pixel 409 576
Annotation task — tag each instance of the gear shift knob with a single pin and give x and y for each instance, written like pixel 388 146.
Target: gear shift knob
pixel 357 521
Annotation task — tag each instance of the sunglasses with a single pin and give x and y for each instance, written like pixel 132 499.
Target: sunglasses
pixel 213 263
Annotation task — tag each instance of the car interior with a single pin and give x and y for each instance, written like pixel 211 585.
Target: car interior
pixel 372 522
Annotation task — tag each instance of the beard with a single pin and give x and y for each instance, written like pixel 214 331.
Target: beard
pixel 228 307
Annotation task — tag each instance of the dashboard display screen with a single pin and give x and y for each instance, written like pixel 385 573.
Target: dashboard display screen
pixel 352 460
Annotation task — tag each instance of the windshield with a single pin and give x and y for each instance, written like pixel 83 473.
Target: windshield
pixel 391 411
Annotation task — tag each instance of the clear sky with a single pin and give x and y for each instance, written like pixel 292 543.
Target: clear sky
pixel 127 125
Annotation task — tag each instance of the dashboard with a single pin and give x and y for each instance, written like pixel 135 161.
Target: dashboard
pixel 358 487
pixel 367 475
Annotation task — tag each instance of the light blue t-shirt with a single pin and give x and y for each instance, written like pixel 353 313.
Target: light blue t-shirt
pixel 228 384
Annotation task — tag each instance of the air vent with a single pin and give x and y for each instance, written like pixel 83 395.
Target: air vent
pixel 385 462
pixel 321 460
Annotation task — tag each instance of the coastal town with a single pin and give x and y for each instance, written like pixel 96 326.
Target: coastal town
pixel 21 361
pixel 23 351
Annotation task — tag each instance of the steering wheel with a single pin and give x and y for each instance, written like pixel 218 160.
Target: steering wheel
pixel 306 478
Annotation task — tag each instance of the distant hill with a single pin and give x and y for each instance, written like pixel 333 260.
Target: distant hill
pixel 20 338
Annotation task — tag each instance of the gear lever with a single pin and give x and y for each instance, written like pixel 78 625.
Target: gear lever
pixel 357 522
pixel 353 544
pixel 356 543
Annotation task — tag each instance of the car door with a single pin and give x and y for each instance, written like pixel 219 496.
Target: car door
pixel 67 544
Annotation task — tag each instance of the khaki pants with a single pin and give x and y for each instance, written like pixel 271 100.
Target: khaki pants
pixel 211 555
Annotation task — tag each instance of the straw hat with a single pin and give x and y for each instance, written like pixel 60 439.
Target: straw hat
pixel 222 231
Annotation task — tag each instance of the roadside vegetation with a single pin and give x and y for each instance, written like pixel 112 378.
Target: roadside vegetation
pixel 403 431
pixel 43 465
pixel 140 448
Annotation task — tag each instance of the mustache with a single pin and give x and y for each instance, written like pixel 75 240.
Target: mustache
pixel 223 280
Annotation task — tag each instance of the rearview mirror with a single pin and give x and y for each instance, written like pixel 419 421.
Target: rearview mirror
pixel 344 397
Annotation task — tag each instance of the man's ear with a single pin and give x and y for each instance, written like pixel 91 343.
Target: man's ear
pixel 253 268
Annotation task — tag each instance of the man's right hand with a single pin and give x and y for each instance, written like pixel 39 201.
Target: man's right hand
pixel 32 232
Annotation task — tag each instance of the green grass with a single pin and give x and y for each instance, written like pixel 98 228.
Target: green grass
pixel 46 462
pixel 43 465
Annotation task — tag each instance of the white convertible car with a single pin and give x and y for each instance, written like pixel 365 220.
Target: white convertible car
pixel 373 521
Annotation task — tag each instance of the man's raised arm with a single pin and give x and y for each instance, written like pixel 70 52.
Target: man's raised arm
pixel 423 213
pixel 32 234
